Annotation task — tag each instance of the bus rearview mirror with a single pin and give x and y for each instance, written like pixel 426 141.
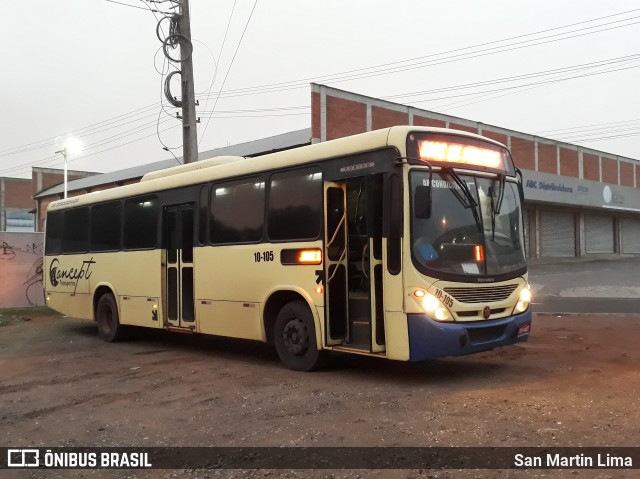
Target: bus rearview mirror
pixel 422 202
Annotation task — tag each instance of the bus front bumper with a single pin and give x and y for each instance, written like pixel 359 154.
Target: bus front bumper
pixel 430 339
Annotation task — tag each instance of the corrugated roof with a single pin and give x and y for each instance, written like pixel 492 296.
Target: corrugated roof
pixel 263 146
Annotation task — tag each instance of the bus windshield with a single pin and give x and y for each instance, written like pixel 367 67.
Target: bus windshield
pixel 464 238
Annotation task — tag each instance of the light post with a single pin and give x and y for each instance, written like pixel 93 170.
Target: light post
pixel 71 146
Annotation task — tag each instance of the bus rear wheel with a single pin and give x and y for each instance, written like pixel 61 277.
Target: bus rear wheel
pixel 108 319
pixel 295 338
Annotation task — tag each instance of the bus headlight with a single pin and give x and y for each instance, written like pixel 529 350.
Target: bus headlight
pixel 524 300
pixel 432 305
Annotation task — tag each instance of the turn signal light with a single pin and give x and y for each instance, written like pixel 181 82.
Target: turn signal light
pixel 310 256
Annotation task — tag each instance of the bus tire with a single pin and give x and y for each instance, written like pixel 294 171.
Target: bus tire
pixel 295 337
pixel 108 319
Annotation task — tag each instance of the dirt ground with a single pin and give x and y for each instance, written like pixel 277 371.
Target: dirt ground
pixel 575 383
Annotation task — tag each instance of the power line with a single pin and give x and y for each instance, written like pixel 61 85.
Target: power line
pixel 255 89
pixel 228 114
pixel 261 89
pixel 210 114
pixel 231 64
pixel 524 76
pixel 380 70
pixel 517 87
pixel 215 73
pixel 588 127
pixel 134 6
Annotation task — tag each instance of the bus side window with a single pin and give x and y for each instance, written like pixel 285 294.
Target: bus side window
pixel 295 205
pixel 75 231
pixel 106 226
pixel 237 212
pixel 55 221
pixel 141 223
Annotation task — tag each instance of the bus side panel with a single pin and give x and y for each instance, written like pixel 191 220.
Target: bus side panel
pixel 226 295
pixel 71 282
pixel 397 335
pixel 233 282
pixel 137 276
pixel 77 306
pixel 67 284
pixel 139 311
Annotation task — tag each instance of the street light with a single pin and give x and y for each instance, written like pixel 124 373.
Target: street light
pixel 71 147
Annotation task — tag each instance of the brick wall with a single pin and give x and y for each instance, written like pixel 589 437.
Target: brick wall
pixel 457 126
pixel 432 122
pixel 315 119
pixel 547 158
pixel 383 118
pixel 609 170
pixel 626 173
pixel 504 139
pixel 591 167
pixel 17 193
pixel 524 153
pixel 569 163
pixel 345 117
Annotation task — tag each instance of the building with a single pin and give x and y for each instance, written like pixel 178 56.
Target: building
pixel 579 202
pixel 17 204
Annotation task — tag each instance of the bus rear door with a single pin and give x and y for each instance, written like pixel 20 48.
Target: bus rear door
pixel 178 266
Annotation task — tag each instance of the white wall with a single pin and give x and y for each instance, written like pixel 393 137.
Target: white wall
pixel 21 269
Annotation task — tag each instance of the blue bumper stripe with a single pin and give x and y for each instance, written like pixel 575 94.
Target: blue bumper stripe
pixel 430 339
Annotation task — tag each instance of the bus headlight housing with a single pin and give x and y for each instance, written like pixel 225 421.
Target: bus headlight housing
pixel 433 305
pixel 524 300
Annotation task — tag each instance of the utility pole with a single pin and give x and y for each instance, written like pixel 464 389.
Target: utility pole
pixel 189 120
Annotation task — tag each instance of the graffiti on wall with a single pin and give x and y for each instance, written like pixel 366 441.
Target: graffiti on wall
pixel 21 267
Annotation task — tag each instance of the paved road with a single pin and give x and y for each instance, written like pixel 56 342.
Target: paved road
pixel 601 286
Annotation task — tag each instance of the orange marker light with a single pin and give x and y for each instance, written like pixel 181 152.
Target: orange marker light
pixel 310 256
pixel 478 252
pixel 319 289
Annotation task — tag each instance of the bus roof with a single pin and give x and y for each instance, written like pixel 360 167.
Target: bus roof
pixel 233 166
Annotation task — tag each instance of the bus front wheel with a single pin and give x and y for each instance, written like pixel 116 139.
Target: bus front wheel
pixel 108 319
pixel 295 337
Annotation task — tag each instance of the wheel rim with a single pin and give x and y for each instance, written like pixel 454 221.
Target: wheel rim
pixel 108 319
pixel 296 337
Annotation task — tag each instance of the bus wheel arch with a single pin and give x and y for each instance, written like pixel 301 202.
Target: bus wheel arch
pixel 276 300
pixel 107 316
pixel 292 327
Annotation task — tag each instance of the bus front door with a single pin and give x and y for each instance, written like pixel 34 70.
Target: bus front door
pixel 354 272
pixel 336 265
pixel 178 266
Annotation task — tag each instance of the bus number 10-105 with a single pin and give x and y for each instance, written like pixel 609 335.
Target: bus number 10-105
pixel 263 256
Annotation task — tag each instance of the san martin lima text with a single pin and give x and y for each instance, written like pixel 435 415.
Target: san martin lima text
pixel 577 461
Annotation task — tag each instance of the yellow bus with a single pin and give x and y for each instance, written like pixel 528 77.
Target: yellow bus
pixel 403 243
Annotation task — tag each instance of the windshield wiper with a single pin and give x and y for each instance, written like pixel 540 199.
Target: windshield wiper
pixel 470 202
pixel 496 205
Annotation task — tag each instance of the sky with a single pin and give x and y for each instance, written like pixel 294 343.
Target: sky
pixel 91 69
